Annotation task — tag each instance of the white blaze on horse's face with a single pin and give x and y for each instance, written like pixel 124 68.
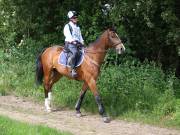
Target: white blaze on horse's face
pixel 116 43
pixel 120 47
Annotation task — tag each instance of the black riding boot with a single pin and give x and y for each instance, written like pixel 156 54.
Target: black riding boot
pixel 71 62
pixel 73 73
pixel 72 59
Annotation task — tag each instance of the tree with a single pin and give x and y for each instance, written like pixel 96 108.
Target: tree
pixel 152 27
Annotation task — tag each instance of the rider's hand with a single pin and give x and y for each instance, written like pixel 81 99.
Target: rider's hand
pixel 74 42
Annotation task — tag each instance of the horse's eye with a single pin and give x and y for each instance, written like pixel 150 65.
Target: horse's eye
pixel 114 35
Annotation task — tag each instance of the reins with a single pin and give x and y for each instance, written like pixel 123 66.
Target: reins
pixel 95 52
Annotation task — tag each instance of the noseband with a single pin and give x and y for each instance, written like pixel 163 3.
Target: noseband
pixel 116 44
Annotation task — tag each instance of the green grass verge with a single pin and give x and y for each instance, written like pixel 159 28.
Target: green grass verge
pixel 13 127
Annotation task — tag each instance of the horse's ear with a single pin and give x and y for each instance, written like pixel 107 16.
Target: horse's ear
pixel 109 26
pixel 112 28
pixel 105 27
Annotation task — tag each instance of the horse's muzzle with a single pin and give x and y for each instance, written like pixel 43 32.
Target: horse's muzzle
pixel 120 49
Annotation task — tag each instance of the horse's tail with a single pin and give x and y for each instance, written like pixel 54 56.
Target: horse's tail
pixel 39 70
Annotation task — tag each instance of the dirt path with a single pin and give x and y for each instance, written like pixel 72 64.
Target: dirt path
pixel 28 111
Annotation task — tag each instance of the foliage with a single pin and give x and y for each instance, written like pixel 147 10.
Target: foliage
pixel 149 24
pixel 152 25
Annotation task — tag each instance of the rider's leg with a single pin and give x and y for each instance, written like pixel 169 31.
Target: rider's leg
pixel 73 49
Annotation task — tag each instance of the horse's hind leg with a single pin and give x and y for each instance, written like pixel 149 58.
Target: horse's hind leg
pixel 47 92
pixel 49 79
pixel 81 97
pixel 55 76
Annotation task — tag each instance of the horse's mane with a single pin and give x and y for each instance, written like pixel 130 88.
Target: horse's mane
pixel 98 38
pixel 92 44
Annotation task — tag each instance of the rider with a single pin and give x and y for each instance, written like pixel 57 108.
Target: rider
pixel 73 38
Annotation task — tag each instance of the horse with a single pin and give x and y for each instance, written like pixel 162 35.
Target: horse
pixel 49 71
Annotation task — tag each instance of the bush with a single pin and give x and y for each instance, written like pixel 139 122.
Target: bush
pixel 132 88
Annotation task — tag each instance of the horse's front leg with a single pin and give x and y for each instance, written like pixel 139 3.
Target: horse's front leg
pixel 93 87
pixel 81 97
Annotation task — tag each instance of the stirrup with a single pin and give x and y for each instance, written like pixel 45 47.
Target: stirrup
pixel 73 73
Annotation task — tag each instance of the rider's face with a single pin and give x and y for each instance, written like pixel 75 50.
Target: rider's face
pixel 74 20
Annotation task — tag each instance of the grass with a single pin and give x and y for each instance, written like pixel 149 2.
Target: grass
pixel 13 127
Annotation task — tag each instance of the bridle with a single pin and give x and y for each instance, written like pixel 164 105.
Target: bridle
pixel 117 44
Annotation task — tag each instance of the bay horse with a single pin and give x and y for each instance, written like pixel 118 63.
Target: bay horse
pixel 49 71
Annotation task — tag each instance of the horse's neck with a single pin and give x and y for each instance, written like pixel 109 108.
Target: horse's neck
pixel 98 51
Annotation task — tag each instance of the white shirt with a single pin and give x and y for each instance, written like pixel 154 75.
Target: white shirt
pixel 76 33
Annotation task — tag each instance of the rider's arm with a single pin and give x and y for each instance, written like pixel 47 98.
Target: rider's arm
pixel 81 38
pixel 67 34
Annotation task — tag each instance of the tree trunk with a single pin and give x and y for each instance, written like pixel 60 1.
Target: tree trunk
pixel 178 68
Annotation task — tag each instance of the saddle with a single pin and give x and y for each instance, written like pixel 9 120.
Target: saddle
pixel 64 55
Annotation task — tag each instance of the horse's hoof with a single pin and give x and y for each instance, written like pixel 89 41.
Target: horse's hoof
pixel 106 119
pixel 48 110
pixel 78 115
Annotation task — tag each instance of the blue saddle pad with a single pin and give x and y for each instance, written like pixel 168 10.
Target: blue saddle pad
pixel 63 58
